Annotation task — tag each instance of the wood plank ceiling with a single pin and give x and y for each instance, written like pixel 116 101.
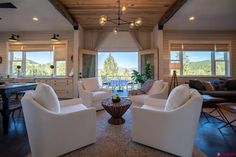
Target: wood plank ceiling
pixel 87 12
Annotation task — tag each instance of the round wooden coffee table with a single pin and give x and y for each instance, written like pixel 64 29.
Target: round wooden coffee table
pixel 116 110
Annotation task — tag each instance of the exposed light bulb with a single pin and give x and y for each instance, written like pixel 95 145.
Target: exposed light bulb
pixel 123 8
pixel 131 25
pixel 191 18
pixel 35 19
pixel 115 31
pixel 138 22
pixel 103 20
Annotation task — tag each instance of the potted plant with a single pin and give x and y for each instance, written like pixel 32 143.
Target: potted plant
pixel 141 78
pixel 18 70
pixel 115 98
pixel 52 67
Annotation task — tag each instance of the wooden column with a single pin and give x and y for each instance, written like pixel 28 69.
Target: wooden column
pixel 161 53
pixel 76 61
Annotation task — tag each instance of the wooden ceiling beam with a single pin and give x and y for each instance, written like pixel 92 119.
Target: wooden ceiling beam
pixel 61 8
pixel 170 13
pixel 115 7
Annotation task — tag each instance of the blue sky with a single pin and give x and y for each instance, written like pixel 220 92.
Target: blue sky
pixel 198 56
pixel 123 59
pixel 39 57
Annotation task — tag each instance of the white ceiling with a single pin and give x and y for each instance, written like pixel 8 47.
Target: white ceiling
pixel 20 19
pixel 210 15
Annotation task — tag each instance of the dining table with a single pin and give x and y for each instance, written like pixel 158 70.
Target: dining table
pixel 6 90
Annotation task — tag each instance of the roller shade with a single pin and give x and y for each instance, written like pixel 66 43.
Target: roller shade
pixel 222 47
pixel 14 47
pixel 60 52
pixel 198 47
pixel 176 47
pixel 59 49
pixel 30 47
pixel 37 47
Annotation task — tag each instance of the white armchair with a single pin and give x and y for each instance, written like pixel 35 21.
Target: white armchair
pixel 91 93
pixel 171 131
pixel 53 133
pixel 159 90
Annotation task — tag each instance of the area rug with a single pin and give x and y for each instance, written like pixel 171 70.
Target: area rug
pixel 115 141
pixel 230 116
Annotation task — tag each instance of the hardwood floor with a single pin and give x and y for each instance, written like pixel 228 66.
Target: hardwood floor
pixel 208 138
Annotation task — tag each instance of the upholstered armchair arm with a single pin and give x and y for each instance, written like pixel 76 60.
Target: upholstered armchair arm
pixel 154 101
pixel 159 96
pixel 86 97
pixel 162 94
pixel 70 102
pixel 107 90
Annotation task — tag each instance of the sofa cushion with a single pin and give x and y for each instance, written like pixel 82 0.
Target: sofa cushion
pixel 99 95
pixel 230 84
pixel 136 92
pixel 178 97
pixel 147 86
pixel 46 96
pixel 154 107
pixel 219 84
pixel 196 84
pixel 91 84
pixel 139 99
pixel 73 108
pixel 156 87
pixel 208 86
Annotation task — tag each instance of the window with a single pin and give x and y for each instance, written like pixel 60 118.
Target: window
pixel 175 58
pixel 32 63
pixel 197 63
pixel 61 68
pixel 16 60
pixel 38 63
pixel 201 59
pixel 35 59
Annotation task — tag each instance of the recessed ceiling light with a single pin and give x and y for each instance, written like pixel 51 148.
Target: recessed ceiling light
pixel 35 19
pixel 191 18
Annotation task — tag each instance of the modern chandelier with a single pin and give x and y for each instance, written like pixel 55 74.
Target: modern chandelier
pixel 136 22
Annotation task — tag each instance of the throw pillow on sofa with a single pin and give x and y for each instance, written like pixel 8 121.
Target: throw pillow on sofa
pixel 178 97
pixel 219 84
pixel 196 84
pixel 146 86
pixel 208 86
pixel 230 85
pixel 156 87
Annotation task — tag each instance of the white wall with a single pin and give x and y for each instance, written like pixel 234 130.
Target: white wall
pixel 122 41
pixel 34 36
